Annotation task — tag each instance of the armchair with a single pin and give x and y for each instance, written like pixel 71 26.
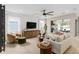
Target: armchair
pixel 11 38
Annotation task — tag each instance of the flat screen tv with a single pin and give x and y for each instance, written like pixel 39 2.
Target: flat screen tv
pixel 30 25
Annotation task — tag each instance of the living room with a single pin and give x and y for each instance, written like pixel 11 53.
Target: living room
pixel 26 24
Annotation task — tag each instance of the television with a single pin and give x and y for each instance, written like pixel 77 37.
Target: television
pixel 31 25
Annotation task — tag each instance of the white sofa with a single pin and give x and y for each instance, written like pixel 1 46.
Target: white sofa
pixel 59 46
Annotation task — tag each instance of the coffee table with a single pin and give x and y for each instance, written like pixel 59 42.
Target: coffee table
pixel 21 40
pixel 45 49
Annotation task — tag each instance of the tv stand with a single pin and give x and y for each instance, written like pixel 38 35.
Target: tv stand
pixel 30 33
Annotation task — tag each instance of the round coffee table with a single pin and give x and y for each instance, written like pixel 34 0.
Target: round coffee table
pixel 21 40
pixel 45 49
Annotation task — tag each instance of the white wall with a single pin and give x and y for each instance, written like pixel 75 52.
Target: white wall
pixel 23 19
pixel 72 17
pixel 30 19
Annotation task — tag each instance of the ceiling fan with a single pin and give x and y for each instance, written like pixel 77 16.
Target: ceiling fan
pixel 47 13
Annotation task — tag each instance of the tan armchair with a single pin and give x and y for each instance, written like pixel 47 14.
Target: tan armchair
pixel 19 34
pixel 11 38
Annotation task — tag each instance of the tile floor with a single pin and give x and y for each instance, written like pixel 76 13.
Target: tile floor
pixel 31 48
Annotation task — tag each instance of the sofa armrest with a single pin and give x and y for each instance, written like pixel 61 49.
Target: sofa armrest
pixel 65 44
pixel 61 47
pixel 56 46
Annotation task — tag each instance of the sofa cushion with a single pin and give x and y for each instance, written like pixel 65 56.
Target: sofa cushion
pixel 57 38
pixel 67 35
pixel 60 38
pixel 54 38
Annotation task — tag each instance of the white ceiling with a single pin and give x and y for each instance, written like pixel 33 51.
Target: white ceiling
pixel 31 9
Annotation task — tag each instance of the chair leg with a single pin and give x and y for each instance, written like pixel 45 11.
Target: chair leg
pixel 3 48
pixel 53 53
pixel 0 49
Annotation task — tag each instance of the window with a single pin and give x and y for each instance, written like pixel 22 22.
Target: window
pixel 13 24
pixel 63 25
pixel 41 25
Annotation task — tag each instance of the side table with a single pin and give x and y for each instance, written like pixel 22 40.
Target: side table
pixel 45 49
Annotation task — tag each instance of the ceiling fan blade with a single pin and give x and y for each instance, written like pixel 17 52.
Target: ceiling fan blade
pixel 50 12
